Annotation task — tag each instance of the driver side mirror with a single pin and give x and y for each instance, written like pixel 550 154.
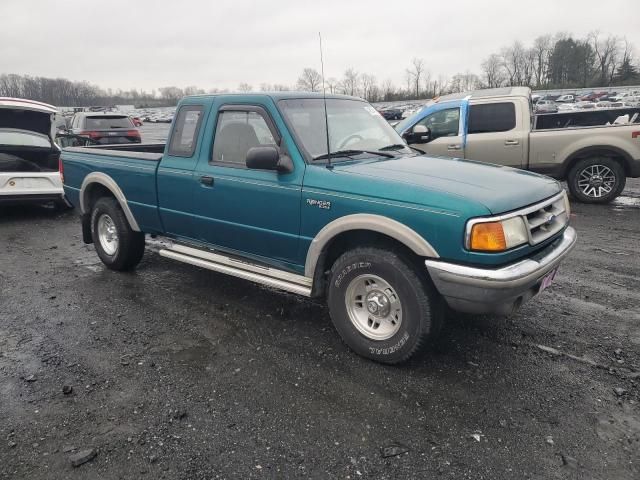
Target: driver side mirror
pixel 268 158
pixel 418 134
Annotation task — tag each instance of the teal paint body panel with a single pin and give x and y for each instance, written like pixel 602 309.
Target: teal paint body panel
pixel 273 217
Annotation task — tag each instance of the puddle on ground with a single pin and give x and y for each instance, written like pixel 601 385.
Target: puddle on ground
pixel 623 202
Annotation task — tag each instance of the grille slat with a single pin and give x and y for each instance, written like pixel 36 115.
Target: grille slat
pixel 546 220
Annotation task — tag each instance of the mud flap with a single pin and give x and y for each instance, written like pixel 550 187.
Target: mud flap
pixel 86 228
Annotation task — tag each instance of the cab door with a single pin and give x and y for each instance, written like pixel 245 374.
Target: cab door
pixel 495 134
pixel 175 173
pixel 249 211
pixel 445 135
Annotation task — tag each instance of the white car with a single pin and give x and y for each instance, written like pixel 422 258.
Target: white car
pixel 546 106
pixel 565 99
pixel 29 170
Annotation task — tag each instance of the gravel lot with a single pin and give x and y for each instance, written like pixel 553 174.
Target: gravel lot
pixel 176 372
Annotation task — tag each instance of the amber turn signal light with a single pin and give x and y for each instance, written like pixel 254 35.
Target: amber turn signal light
pixel 488 237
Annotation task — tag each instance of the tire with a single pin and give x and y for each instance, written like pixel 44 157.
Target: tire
pixel 119 247
pixel 409 310
pixel 596 180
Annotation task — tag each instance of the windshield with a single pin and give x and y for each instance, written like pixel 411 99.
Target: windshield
pixel 353 125
pixel 18 138
pixel 106 122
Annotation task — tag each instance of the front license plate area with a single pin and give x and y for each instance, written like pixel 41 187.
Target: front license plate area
pixel 547 280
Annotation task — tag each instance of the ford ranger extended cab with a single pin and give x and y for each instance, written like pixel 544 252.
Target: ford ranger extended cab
pixel 497 126
pixel 251 185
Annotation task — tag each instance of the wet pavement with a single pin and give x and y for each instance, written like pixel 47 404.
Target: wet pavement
pixel 176 372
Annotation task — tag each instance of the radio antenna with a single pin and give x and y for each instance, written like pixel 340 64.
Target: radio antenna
pixel 324 99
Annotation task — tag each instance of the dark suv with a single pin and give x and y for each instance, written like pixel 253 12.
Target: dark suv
pixel 105 128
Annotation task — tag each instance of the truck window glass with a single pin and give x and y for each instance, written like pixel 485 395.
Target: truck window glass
pixel 236 133
pixel 185 134
pixel 492 117
pixel 107 122
pixel 444 123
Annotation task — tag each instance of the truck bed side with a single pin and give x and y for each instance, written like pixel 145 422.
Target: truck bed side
pixel 552 151
pixel 133 174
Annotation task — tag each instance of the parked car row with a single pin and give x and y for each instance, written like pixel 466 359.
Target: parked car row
pixel 601 99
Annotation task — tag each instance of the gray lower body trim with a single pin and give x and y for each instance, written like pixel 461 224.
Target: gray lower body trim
pixel 501 290
pixel 241 268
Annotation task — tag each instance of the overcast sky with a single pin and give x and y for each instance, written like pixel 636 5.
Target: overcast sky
pixel 148 44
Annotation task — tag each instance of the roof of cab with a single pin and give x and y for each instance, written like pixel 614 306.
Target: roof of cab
pixel 276 96
pixel 25 104
pixel 488 93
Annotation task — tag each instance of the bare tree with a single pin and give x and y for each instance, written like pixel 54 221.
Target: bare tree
pixel 331 84
pixel 351 82
pixel 368 83
pixel 409 79
pixel 513 60
pixel 493 70
pixel 193 90
pixel 416 70
pixel 542 52
pixel 388 89
pixel 171 94
pixel 245 87
pixel 464 82
pixel 606 51
pixel 427 89
pixel 310 80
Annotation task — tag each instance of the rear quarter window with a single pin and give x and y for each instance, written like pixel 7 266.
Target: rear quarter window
pixel 185 131
pixel 492 117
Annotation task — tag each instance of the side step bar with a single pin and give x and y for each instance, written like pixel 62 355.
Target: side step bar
pixel 271 277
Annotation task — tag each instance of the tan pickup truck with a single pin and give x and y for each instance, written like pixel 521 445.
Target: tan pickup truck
pixel 497 126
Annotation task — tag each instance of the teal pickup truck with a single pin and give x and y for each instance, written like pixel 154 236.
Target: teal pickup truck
pixel 252 186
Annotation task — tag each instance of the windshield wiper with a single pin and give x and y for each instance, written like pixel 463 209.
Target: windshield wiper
pixel 349 153
pixel 395 146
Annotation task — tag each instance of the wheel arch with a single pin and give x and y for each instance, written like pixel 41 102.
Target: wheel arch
pixel 353 227
pixel 98 183
pixel 611 151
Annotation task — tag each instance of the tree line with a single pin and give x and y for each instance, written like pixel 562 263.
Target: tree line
pixel 558 61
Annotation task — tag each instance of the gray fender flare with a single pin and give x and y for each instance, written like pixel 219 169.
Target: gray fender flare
pixel 108 182
pixel 364 221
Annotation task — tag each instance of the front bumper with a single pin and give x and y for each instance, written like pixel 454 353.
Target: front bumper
pixel 502 290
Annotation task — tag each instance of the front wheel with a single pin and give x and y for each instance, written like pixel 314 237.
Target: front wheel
pixel 381 306
pixel 117 245
pixel 596 180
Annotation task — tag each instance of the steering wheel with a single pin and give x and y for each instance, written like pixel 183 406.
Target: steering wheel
pixel 349 139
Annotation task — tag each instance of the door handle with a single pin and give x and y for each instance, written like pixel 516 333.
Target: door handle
pixel 206 180
pixel 512 142
pixel 454 147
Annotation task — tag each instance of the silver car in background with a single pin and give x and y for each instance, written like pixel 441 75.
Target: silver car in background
pixel 546 106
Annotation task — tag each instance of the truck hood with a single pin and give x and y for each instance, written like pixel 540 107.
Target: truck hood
pixel 500 189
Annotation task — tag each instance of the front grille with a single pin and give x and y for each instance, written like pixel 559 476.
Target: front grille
pixel 546 219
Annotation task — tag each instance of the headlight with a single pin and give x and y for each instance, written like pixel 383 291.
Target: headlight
pixel 497 236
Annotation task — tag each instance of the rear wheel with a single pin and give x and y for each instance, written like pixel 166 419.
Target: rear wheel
pixel 380 305
pixel 596 180
pixel 117 245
